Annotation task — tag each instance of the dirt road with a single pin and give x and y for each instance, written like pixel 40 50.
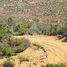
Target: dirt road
pixel 56 51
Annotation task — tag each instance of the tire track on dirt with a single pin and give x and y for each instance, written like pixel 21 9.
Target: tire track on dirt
pixel 57 51
pixel 54 50
pixel 53 47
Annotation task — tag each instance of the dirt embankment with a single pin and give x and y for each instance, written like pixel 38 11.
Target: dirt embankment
pixel 56 51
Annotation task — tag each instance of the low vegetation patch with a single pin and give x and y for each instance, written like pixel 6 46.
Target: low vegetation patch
pixel 39 47
pixel 23 59
pixel 8 63
pixel 54 65
pixel 23 27
pixel 10 46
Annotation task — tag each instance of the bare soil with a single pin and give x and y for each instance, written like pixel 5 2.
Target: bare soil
pixel 56 51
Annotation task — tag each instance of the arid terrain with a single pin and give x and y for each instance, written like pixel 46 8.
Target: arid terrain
pixel 29 31
pixel 56 51
pixel 51 11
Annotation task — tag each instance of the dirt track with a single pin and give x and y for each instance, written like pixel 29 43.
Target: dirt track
pixel 56 51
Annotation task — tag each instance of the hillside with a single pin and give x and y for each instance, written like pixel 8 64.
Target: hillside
pixel 33 33
pixel 37 10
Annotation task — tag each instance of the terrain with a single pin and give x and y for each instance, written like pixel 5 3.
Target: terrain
pixel 56 51
pixel 29 30
pixel 48 11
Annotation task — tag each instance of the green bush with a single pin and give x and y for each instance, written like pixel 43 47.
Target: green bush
pixel 8 64
pixel 39 47
pixel 19 45
pixel 52 29
pixel 3 30
pixel 54 65
pixel 20 48
pixel 42 65
pixel 23 58
pixel 11 46
pixel 23 27
pixel 50 65
pixel 8 52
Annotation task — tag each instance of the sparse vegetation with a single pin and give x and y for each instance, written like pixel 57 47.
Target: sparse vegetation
pixel 3 30
pixel 23 59
pixel 39 47
pixel 11 46
pixel 30 17
pixel 8 63
pixel 54 65
pixel 42 65
pixel 23 27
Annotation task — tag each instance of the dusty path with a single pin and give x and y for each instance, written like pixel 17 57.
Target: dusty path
pixel 56 51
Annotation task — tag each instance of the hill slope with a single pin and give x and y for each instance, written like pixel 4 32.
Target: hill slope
pixel 43 10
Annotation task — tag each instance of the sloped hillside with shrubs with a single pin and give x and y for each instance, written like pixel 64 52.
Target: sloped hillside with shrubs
pixel 30 17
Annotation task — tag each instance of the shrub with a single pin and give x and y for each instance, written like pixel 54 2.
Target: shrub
pixel 8 64
pixel 52 29
pixel 23 58
pixel 11 45
pixel 55 65
pixel 3 30
pixel 20 48
pixel 20 45
pixel 49 65
pixel 8 52
pixel 34 29
pixel 23 27
pixel 42 65
pixel 11 22
pixel 39 47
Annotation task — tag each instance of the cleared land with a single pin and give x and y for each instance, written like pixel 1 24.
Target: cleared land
pixel 56 51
